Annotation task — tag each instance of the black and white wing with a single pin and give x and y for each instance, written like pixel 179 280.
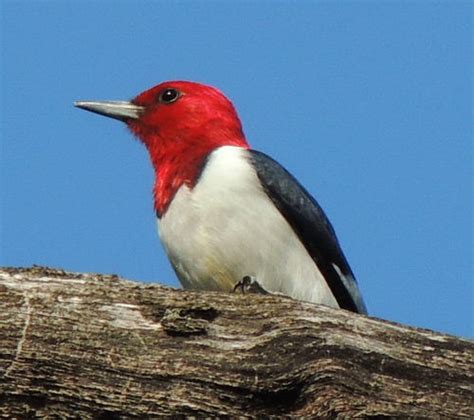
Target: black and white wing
pixel 313 228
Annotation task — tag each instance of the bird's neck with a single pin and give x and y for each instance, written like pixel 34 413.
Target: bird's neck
pixel 177 163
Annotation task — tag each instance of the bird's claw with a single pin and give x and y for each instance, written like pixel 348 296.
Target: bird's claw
pixel 248 284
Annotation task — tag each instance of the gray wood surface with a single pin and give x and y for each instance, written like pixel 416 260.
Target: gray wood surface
pixel 76 345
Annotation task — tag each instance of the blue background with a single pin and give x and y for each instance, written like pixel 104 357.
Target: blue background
pixel 368 104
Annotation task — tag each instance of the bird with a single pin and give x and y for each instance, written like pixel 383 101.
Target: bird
pixel 227 213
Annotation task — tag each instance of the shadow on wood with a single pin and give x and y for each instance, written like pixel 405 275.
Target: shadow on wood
pixel 96 346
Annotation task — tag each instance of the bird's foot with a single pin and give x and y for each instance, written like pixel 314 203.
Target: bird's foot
pixel 249 284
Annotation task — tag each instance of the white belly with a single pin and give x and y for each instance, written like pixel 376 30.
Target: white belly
pixel 227 228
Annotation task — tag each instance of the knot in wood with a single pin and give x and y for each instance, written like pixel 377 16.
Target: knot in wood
pixel 189 321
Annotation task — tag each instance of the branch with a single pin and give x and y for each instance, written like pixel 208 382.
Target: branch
pixel 89 346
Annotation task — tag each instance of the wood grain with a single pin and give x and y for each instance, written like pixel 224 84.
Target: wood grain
pixel 76 345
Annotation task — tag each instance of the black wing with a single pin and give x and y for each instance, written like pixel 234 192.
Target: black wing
pixel 313 228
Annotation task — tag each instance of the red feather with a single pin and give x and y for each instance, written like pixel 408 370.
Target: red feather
pixel 180 135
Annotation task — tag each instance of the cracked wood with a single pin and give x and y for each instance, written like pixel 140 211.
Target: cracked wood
pixel 87 345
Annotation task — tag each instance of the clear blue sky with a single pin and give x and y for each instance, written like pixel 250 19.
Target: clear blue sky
pixel 368 104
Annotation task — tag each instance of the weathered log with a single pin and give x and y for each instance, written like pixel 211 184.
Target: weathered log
pixel 96 346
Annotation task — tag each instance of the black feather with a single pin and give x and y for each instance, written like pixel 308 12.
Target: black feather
pixel 312 226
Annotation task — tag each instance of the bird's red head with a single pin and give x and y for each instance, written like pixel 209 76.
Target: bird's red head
pixel 180 123
pixel 186 113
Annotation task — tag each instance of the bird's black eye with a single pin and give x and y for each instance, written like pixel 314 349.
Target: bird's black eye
pixel 168 96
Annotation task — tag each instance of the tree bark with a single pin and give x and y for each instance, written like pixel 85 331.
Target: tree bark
pixel 95 346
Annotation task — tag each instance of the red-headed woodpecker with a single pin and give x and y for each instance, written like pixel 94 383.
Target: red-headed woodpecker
pixel 226 212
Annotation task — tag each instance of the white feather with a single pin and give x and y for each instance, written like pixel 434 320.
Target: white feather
pixel 227 228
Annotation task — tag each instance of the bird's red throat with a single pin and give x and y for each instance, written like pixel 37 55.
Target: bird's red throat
pixel 179 161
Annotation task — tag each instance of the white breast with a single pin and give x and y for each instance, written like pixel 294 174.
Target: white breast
pixel 227 228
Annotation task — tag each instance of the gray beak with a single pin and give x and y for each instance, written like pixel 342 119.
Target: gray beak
pixel 120 110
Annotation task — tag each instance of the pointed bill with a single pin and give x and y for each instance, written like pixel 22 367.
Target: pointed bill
pixel 120 110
